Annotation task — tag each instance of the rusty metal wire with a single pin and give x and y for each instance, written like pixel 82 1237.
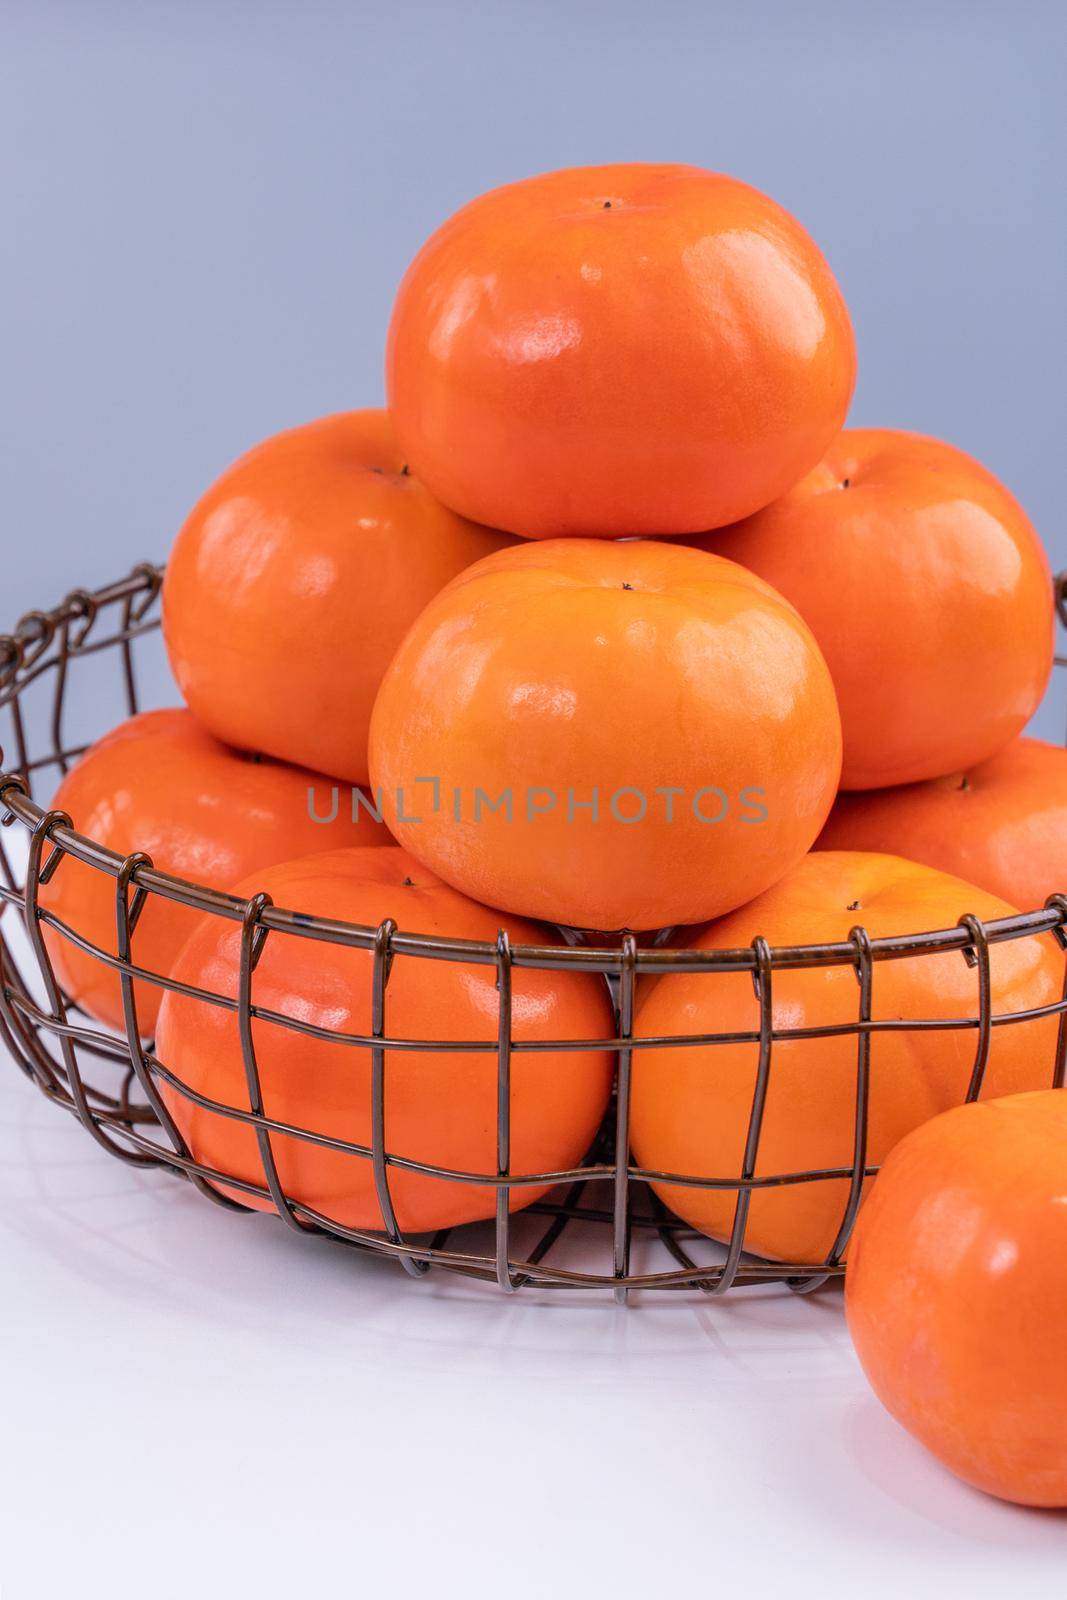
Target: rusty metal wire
pixel 111 1082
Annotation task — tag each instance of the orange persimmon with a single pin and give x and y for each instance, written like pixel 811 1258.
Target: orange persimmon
pixel 607 735
pixel 926 586
pixel 640 348
pixel 692 1103
pixel 295 578
pixel 1001 824
pixel 440 1105
pixel 159 783
pixel 955 1289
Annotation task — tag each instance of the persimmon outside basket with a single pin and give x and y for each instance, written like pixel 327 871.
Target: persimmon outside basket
pixel 601 1224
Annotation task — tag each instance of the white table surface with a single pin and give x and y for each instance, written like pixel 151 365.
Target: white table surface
pixel 196 1403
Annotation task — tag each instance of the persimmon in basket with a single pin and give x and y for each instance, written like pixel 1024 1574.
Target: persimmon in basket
pixel 692 1104
pixel 159 783
pixel 928 590
pixel 295 578
pixel 440 1104
pixel 956 1288
pixel 1001 824
pixel 607 735
pixel 638 348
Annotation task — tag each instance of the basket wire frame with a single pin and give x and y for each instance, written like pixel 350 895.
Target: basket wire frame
pixel 111 1082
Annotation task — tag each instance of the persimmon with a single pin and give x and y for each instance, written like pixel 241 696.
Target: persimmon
pixel 293 581
pixel 440 1105
pixel 1001 824
pixel 692 1104
pixel 607 735
pixel 955 1291
pixel 926 586
pixel 640 348
pixel 161 784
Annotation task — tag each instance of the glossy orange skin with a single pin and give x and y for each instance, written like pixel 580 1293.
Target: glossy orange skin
pixel 625 349
pixel 956 1287
pixel 159 783
pixel 1001 824
pixel 691 1105
pixel 929 592
pixel 573 666
pixel 295 578
pixel 440 1107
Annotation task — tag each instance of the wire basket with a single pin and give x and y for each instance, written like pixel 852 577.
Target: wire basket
pixel 601 1225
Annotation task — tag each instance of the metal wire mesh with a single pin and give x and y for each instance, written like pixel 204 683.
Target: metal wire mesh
pixel 601 1224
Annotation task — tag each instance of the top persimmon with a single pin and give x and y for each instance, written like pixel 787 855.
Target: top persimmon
pixel 927 587
pixel 624 349
pixel 295 578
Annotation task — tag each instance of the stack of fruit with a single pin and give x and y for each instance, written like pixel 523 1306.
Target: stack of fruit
pixel 590 631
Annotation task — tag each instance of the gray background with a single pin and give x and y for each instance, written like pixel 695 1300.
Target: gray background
pixel 207 207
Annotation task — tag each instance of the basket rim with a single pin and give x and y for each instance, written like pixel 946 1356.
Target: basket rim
pixel 22 651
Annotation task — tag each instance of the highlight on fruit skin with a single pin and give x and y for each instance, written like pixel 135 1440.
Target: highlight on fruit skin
pixel 691 1104
pixel 293 580
pixel 956 1287
pixel 440 1104
pixel 630 349
pixel 607 735
pixel 928 590
pixel 160 784
pixel 1001 824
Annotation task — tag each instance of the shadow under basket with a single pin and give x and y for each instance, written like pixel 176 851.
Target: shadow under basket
pixel 601 1225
